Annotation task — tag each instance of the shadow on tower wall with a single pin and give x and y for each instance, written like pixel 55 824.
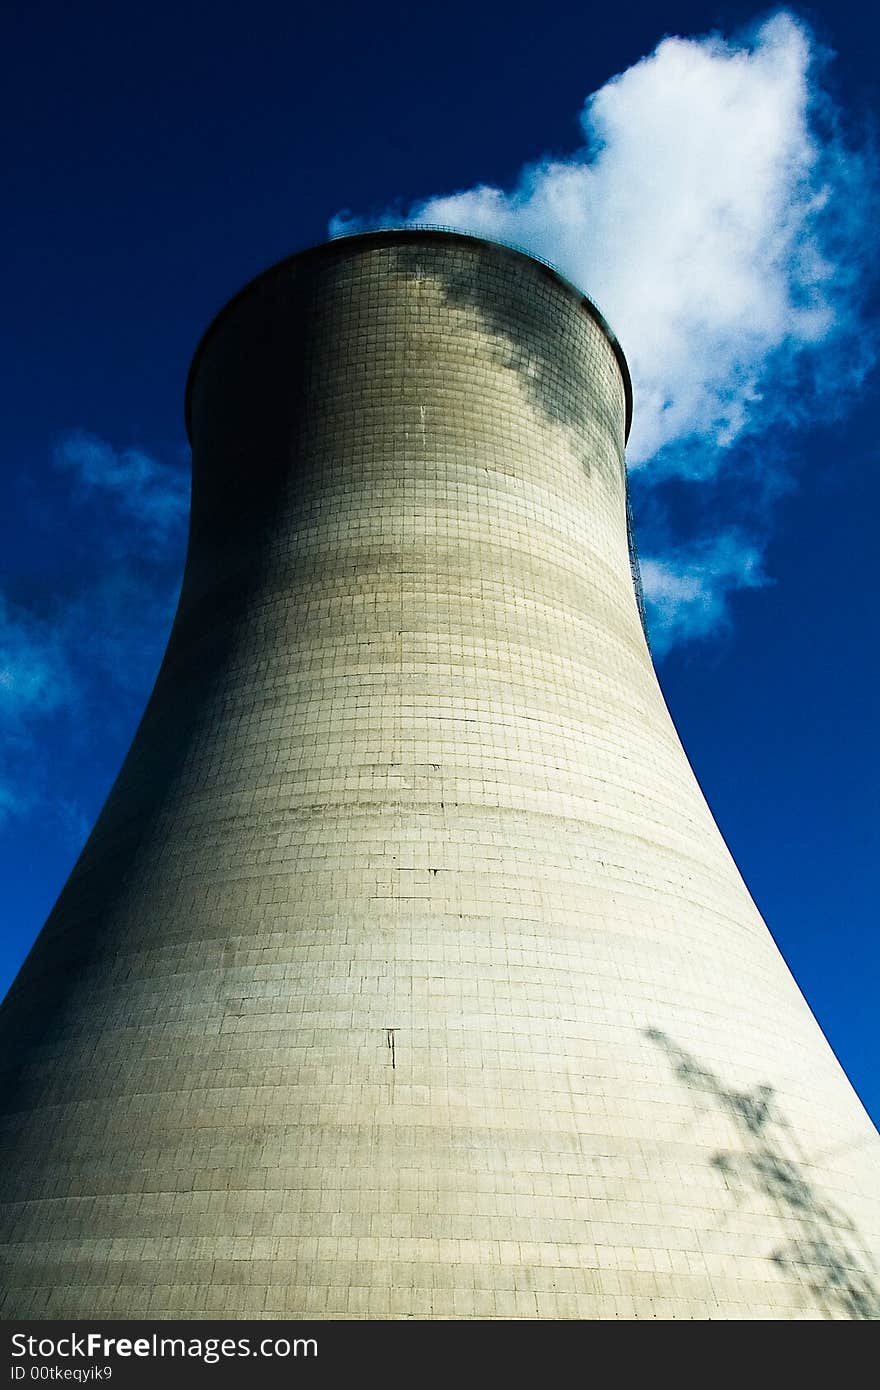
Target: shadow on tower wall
pixel 823 1250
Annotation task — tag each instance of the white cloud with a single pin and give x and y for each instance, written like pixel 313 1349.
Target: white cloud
pixel 83 658
pixel 721 225
pixel 686 591
pixel 9 802
pixel 152 496
pixel 36 682
pixel 35 676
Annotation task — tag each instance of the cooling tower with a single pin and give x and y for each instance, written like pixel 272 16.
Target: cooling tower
pixel 405 973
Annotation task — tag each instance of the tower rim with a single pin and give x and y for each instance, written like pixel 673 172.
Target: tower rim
pixel 396 236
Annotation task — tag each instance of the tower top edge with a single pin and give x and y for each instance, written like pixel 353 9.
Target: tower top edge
pixel 398 236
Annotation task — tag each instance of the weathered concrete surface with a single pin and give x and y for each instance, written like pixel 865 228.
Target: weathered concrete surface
pixel 406 972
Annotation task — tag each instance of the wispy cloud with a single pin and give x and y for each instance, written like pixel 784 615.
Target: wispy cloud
pixel 152 496
pixel 688 590
pixel 721 222
pixel 81 659
pixel 10 802
pixel 37 685
pixel 35 676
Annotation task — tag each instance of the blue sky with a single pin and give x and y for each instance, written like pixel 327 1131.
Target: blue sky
pixel 714 192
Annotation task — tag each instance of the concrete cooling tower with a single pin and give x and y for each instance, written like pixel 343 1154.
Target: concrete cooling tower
pixel 405 973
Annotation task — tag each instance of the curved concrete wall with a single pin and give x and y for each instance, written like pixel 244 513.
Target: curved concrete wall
pixel 406 972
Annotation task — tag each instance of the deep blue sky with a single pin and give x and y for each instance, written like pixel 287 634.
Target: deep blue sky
pixel 156 158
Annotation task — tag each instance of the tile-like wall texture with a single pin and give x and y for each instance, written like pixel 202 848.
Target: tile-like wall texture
pixel 406 973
